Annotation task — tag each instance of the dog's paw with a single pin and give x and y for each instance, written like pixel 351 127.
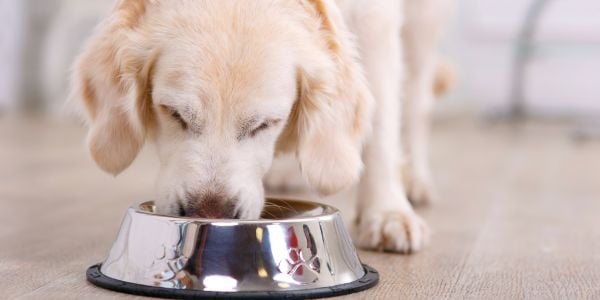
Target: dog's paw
pixel 420 189
pixel 393 231
pixel 284 176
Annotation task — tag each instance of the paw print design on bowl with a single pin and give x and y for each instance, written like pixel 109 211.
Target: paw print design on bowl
pixel 302 263
pixel 169 262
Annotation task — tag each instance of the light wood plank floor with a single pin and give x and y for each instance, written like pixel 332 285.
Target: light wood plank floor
pixel 519 215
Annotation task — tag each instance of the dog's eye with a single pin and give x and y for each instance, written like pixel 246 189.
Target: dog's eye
pixel 175 115
pixel 262 127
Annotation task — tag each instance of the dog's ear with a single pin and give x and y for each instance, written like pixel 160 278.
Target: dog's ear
pixel 332 115
pixel 111 78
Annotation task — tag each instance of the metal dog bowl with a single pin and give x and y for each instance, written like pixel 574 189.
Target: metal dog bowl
pixel 298 250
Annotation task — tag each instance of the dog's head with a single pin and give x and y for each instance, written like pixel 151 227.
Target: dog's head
pixel 219 87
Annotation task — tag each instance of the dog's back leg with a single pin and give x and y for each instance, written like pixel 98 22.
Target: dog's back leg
pixel 423 22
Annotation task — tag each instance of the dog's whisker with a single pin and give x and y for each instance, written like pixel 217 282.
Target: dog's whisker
pixel 288 206
pixel 269 214
pixel 276 209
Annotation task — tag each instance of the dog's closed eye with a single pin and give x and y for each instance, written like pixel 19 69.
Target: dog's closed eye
pixel 175 115
pixel 261 127
pixel 249 131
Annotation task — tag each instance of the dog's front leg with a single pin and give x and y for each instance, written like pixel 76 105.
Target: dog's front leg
pixel 385 221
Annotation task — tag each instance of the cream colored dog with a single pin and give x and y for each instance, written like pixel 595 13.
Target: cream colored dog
pixel 221 86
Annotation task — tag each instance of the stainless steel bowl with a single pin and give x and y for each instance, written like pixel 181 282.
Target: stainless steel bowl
pixel 298 250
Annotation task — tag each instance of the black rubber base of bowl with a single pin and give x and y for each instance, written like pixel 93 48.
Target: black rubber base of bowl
pixel 96 277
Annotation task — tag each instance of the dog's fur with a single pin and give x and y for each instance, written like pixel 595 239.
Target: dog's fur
pixel 222 86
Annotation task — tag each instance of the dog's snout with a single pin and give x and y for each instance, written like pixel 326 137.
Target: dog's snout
pixel 210 206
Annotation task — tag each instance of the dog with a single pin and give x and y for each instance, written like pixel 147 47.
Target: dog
pixel 222 87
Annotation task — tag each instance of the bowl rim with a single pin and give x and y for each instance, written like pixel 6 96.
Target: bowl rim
pixel 329 213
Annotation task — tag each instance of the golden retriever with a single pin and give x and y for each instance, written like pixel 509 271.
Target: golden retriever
pixel 222 86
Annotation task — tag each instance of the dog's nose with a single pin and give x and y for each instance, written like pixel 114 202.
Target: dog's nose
pixel 211 206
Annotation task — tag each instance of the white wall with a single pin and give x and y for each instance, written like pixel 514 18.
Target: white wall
pixel 11 14
pixel 562 79
pixel 37 46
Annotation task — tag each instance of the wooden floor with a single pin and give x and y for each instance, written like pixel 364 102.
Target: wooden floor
pixel 519 215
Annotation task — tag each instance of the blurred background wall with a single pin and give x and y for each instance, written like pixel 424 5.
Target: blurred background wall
pixel 561 73
pixel 38 45
pixel 562 70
